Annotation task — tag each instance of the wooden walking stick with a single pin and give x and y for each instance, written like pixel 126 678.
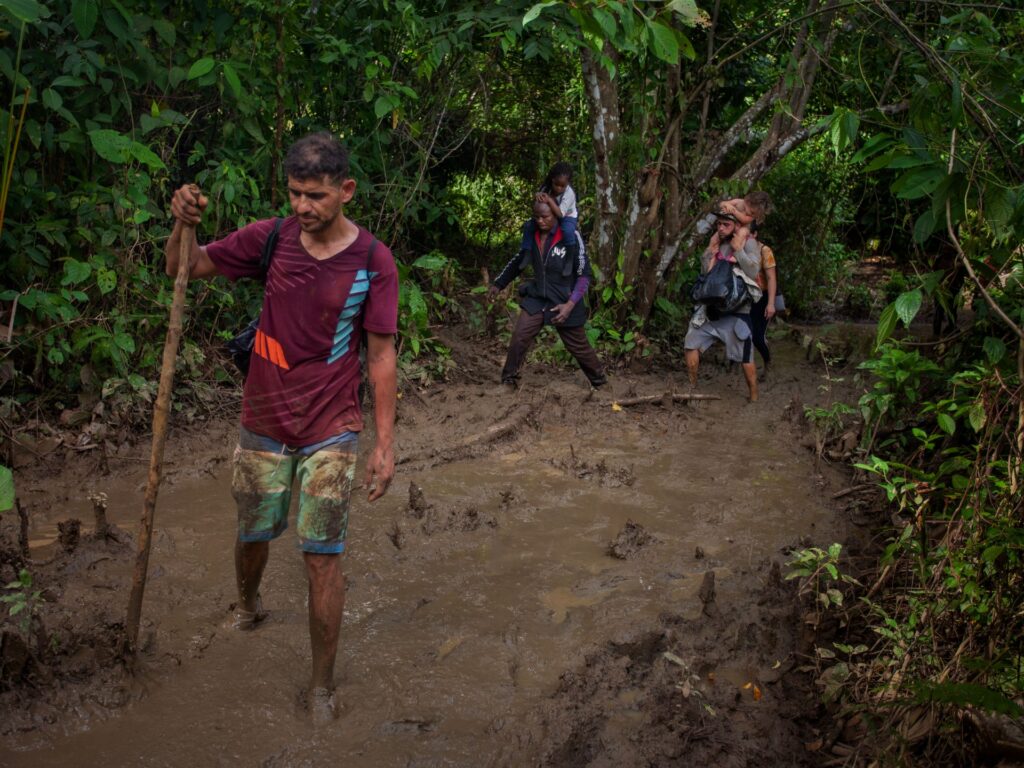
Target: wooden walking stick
pixel 156 457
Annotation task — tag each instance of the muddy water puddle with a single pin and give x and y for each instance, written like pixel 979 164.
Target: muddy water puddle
pixel 461 617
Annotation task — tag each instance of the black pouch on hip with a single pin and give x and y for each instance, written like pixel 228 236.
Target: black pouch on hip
pixel 241 346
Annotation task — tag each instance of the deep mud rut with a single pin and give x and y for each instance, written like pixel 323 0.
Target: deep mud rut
pixel 541 600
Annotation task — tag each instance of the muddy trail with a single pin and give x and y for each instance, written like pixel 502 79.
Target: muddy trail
pixel 552 580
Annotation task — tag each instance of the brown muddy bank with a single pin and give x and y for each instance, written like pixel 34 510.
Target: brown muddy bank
pixel 538 597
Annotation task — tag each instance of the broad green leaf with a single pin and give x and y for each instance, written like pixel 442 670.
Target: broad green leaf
pixel 686 47
pixel 75 272
pixel 145 155
pixel 976 415
pixel 606 21
pixel 124 342
pixel 202 67
pixel 908 304
pixel 231 77
pixel 999 204
pixel 431 262
pixel 28 11
pixel 995 349
pixel 851 123
pixel 84 14
pixel 909 161
pixel 918 182
pixel 67 80
pixel 106 280
pixel 6 489
pixel 924 226
pixel 663 42
pixel 686 9
pixel 253 129
pixel 957 100
pixel 946 423
pixel 992 552
pixel 165 30
pixel 886 324
pixel 535 11
pixel 872 147
pixel 880 162
pixel 110 145
pixel 385 104
pixel 52 99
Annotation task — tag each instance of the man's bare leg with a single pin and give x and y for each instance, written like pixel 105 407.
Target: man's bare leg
pixel 250 560
pixel 750 374
pixel 326 603
pixel 692 363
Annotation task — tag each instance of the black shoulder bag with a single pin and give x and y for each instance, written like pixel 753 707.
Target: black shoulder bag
pixel 719 288
pixel 241 346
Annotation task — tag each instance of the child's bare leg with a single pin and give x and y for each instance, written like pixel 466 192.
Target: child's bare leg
pixel 739 238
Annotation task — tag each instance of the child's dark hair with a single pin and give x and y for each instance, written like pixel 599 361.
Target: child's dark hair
pixel 557 170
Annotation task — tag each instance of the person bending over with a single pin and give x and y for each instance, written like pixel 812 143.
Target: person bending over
pixel 561 276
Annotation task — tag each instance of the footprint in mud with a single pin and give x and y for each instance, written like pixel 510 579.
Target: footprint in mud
pixel 607 477
pixel 409 725
pixel 583 594
pixel 431 520
pixel 632 539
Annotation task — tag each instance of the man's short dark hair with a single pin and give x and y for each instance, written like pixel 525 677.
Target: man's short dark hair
pixel 315 156
pixel 723 216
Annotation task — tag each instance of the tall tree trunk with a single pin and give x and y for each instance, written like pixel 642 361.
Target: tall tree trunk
pixel 603 101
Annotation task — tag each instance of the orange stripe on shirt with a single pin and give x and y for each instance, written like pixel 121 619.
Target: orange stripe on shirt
pixel 277 353
pixel 270 349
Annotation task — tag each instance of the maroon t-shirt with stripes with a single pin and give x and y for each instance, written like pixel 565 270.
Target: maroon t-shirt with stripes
pixel 304 376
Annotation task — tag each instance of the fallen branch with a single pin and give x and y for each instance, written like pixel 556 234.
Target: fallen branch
pixel 664 399
pixel 489 435
pixel 853 489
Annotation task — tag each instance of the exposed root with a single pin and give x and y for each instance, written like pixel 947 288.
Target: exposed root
pixel 494 432
pixel 664 399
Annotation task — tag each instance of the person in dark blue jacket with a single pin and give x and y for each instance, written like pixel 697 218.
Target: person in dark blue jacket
pixel 561 276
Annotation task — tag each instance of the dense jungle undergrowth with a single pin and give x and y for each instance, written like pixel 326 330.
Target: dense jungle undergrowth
pixel 889 135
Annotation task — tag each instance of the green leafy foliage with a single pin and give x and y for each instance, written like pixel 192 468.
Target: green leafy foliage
pixel 21 601
pixel 6 489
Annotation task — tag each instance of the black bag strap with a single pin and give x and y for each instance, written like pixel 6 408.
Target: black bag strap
pixel 268 248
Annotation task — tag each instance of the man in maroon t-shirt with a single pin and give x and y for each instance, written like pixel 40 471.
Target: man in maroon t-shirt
pixel 329 281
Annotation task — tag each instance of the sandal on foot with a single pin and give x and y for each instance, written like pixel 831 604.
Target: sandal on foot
pixel 244 620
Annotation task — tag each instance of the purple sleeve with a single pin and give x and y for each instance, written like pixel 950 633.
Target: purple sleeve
pixel 381 311
pixel 239 254
pixel 580 289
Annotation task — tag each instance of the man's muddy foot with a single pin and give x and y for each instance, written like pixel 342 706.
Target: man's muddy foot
pixel 321 705
pixel 246 621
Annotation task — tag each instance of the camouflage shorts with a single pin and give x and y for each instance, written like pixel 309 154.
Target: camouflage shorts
pixel 264 474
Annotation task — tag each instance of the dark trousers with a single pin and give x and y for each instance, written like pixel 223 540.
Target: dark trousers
pixel 759 328
pixel 574 339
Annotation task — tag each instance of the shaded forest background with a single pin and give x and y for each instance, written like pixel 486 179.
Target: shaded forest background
pixel 881 129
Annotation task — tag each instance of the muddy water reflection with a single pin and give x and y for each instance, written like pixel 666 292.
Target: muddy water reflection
pixel 450 640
